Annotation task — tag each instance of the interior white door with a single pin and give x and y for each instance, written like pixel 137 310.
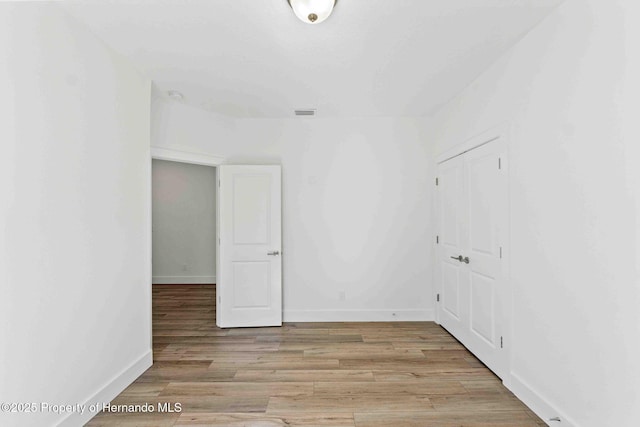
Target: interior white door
pixel 452 277
pixel 475 231
pixel 249 274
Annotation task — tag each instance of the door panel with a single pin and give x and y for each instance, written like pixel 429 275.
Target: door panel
pixel 251 209
pixel 482 308
pixel 451 275
pixel 451 197
pixel 487 197
pixel 249 275
pixel 473 194
pixel 483 185
pixel 451 289
pixel 251 284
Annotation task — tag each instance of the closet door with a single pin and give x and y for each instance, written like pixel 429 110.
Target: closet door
pixel 452 276
pixel 482 227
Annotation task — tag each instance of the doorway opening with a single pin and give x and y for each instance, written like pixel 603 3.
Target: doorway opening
pixel 184 245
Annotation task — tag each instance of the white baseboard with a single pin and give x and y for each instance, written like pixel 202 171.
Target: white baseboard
pixel 183 280
pixel 358 315
pixel 538 404
pixel 109 391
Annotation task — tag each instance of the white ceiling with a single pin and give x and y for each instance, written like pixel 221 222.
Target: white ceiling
pixel 254 58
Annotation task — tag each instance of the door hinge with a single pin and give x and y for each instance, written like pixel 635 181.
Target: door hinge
pixel 437 239
pixel 436 181
pixel 500 252
pixel 499 163
pixel 219 299
pixel 501 343
pixel 218 183
pixel 438 297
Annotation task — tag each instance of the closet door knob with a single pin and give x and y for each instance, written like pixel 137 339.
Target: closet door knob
pixel 459 257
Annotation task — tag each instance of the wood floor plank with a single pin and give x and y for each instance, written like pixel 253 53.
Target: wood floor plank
pixel 309 339
pixel 409 373
pixel 444 355
pixel 437 419
pixel 277 331
pixel 133 420
pixel 266 420
pixel 246 346
pixel 190 333
pixel 336 347
pixel 309 374
pixel 238 389
pixel 275 362
pixel 335 375
pixel 479 402
pixel 406 363
pixel 436 344
pixel 174 371
pixel 144 389
pixel 416 388
pixel 336 404
pixel 357 353
pixel 196 340
pixel 484 386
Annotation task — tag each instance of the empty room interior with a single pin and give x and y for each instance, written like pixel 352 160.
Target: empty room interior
pixel 320 213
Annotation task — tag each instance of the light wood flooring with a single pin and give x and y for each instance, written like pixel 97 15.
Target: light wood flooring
pixel 309 374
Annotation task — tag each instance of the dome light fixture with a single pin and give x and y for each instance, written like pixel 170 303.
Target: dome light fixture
pixel 312 11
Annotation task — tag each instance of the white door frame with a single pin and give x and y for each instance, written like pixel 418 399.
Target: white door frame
pixel 497 132
pixel 182 156
pixel 194 158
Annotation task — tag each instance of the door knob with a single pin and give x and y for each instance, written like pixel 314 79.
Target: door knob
pixel 273 253
pixel 461 258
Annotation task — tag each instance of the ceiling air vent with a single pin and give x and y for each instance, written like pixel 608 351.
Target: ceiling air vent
pixel 309 112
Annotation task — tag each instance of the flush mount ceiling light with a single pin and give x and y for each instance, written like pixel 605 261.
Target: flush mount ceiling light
pixel 312 11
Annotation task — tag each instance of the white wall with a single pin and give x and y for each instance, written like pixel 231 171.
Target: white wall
pixel 181 127
pixel 356 207
pixel 75 208
pixel 184 223
pixel 569 91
